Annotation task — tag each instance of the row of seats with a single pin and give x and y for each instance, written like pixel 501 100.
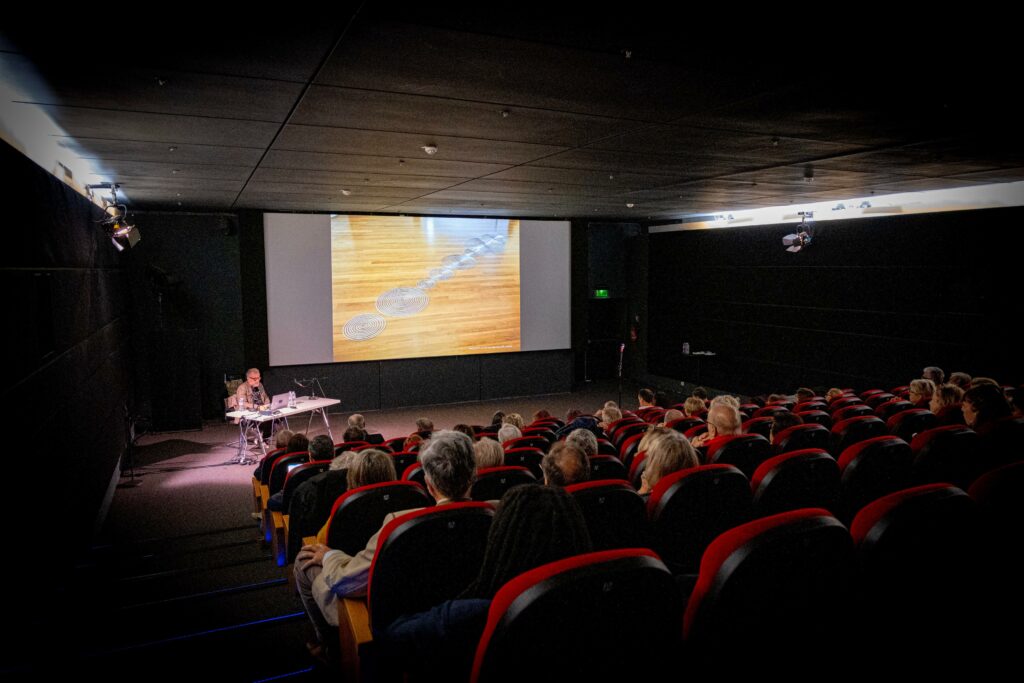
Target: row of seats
pixel 795 579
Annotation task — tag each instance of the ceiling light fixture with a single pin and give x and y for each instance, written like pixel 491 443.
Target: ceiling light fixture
pixel 431 150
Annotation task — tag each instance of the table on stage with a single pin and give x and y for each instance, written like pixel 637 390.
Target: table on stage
pixel 303 404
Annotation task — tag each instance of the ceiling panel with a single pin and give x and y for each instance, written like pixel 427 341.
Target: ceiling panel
pixel 435 115
pixel 313 161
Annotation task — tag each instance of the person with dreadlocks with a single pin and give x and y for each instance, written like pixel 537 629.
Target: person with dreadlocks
pixel 534 525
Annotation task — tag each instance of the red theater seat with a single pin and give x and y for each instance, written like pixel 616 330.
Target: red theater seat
pixel 614 512
pixel 358 514
pixel 743 451
pixel 794 480
pixel 773 592
pixel 492 482
pixel 799 437
pixel 688 509
pixel 871 469
pixel 574 620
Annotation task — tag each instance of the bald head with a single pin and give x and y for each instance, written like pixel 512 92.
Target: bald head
pixel 725 418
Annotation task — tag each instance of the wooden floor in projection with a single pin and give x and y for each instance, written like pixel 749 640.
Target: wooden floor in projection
pixel 475 311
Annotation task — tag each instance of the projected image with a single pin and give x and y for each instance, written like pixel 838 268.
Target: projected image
pixel 405 287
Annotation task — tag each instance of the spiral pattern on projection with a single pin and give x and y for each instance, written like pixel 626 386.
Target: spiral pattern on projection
pixel 401 302
pixel 364 326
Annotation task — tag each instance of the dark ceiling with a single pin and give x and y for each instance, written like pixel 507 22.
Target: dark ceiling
pixel 531 118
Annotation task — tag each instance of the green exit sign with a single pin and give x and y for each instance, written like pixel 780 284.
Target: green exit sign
pixel 600 293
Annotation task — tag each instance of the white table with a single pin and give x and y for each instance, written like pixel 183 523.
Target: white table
pixel 303 404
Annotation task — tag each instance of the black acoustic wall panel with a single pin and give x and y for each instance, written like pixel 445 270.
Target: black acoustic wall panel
pixel 871 302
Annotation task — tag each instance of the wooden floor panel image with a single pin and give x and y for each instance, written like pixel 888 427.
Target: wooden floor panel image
pixel 411 287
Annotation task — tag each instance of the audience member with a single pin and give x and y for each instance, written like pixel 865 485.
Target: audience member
pixel 322 575
pixel 961 379
pixel 424 427
pixel 667 452
pixel 565 464
pixel 726 399
pixel 609 415
pixel 507 433
pixel 723 420
pixel 977 381
pixel 701 393
pixel 497 418
pixel 465 429
pixel 782 421
pixel 357 420
pixel 936 375
pixel 488 453
pixel 945 403
pixel 534 525
pixel 298 443
pixel 804 394
pixel 982 405
pixel 370 466
pixel 353 434
pixel 412 442
pixel 514 419
pixel 833 394
pixel 282 437
pixel 671 415
pixel 920 393
pixel 694 407
pixel 311 503
pixel 320 448
pixel 541 415
pixel 645 398
pixel 583 439
pixel 576 419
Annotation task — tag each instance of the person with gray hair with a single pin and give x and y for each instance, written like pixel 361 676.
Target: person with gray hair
pixel 935 374
pixel 583 439
pixel 358 421
pixel 508 432
pixel 322 575
pixel 723 420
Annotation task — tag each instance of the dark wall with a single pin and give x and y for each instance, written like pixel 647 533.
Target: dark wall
pixel 187 306
pixel 70 381
pixel 870 303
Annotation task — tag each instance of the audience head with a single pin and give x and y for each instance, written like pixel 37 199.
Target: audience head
pixel 936 375
pixel 983 404
pixel 565 464
pixel 370 466
pixel 701 393
pixel 946 395
pixel 804 394
pixel 321 448
pixel 921 391
pixel 497 418
pixel 541 414
pixel 447 461
pixel 961 379
pixel 514 419
pixel 723 420
pixel 488 453
pixel 645 397
pixel 354 434
pixel 833 394
pixel 343 461
pixel 298 443
pixel 652 432
pixel 671 415
pixel 782 421
pixel 282 437
pixel 465 429
pixel 357 420
pixel 534 525
pixel 694 406
pixel 667 452
pixel 726 399
pixel 983 380
pixel 611 415
pixel 412 442
pixel 584 440
pixel 508 432
pixel 610 404
pixel 424 424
